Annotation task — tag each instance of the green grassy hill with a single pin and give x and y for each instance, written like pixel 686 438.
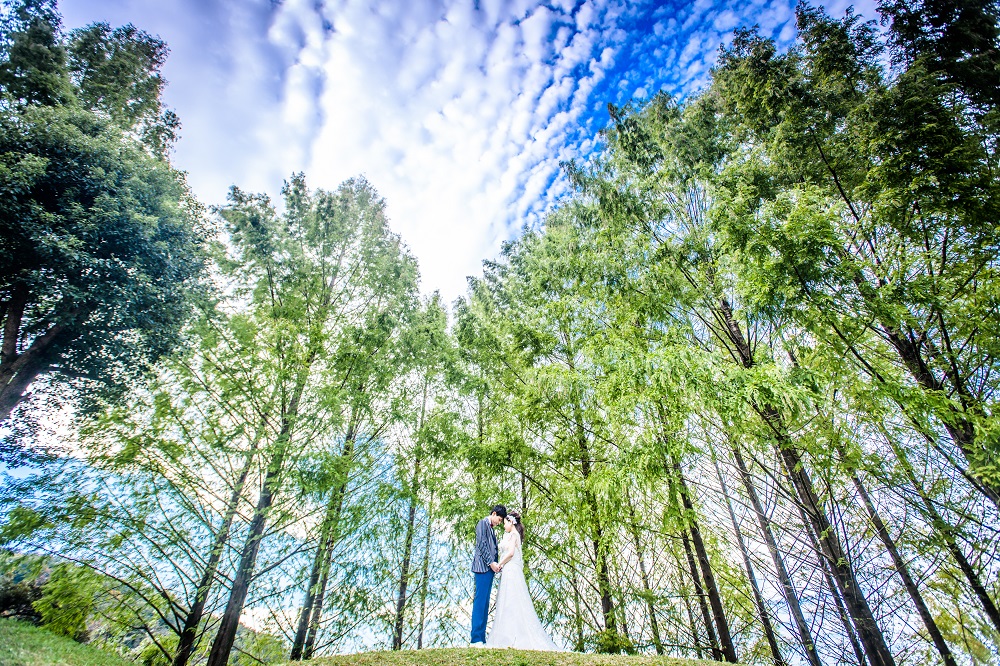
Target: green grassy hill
pixel 486 657
pixel 22 644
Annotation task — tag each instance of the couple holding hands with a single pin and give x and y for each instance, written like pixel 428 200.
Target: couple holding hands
pixel 515 623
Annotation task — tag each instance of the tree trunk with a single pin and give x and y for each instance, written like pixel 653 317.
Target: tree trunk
pixel 715 599
pixel 958 424
pixel 834 557
pixel 316 615
pixel 623 622
pixel 12 323
pixel 226 635
pixel 604 580
pixel 325 542
pixel 838 600
pixel 948 536
pixel 904 574
pixel 694 625
pixel 699 592
pixel 644 576
pixel 787 588
pixel 765 617
pixel 600 556
pixel 831 548
pixel 337 504
pixel 17 371
pixel 424 579
pixel 189 632
pixel 578 619
pixel 404 575
pixel 15 390
pixel 960 428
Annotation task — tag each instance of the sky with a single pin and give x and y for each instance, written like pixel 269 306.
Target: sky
pixel 459 112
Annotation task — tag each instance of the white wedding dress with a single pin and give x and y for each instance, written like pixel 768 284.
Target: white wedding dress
pixel 515 623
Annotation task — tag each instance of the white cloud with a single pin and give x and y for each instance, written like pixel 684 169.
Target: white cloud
pixel 458 115
pixel 471 122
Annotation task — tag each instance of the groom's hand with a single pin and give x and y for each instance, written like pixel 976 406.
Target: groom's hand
pixel 495 567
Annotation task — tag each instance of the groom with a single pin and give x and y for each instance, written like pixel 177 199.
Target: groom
pixel 484 566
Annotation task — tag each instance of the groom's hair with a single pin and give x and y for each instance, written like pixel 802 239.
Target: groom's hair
pixel 500 510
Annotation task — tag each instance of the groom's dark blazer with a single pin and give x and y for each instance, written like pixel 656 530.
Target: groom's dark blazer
pixel 486 547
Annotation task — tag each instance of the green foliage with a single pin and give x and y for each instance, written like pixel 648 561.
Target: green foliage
pixel 67 599
pixel 93 262
pixel 782 262
pixel 957 40
pixel 32 55
pixel 102 248
pixel 260 648
pixel 611 642
pixel 152 654
pixel 20 588
pixel 863 206
pixel 117 75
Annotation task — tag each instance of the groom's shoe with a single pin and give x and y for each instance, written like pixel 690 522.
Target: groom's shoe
pixel 478 644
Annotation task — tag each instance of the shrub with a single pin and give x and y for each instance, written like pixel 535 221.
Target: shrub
pixel 66 601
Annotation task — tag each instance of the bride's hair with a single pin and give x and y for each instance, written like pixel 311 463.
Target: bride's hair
pixel 518 525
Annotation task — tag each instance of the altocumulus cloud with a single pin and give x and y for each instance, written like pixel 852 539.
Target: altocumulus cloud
pixel 458 111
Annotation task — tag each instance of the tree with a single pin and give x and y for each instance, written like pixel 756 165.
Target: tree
pixel 429 348
pixel 102 244
pixel 741 384
pixel 868 254
pixel 32 55
pixel 117 75
pixel 314 275
pixel 539 338
pixel 675 156
pixel 372 362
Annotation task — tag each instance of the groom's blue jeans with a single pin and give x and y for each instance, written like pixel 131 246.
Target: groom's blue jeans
pixel 481 606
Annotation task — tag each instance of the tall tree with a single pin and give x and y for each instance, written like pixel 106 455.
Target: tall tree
pixel 429 347
pixel 677 156
pixel 370 362
pixel 865 253
pixel 102 243
pixel 765 616
pixel 312 274
pixel 530 324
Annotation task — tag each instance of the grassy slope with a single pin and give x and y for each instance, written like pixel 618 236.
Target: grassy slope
pixel 486 657
pixel 22 644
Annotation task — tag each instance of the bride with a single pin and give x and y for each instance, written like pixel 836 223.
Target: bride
pixel 515 622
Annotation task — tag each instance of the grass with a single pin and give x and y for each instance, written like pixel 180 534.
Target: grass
pixel 487 657
pixel 22 644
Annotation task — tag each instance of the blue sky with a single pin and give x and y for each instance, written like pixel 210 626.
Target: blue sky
pixel 457 111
